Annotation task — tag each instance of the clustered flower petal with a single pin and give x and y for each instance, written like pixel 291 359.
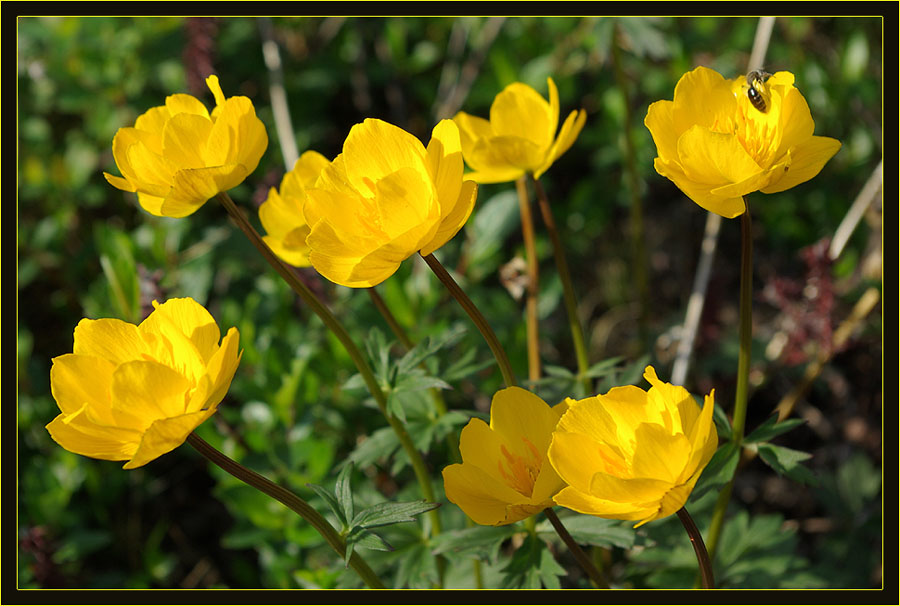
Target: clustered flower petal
pixel 384 198
pixel 717 147
pixel 520 136
pixel 505 476
pixel 282 215
pixel 133 393
pixel 178 155
pixel 633 454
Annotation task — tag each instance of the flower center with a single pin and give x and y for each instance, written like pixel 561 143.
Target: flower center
pixel 520 472
pixel 756 133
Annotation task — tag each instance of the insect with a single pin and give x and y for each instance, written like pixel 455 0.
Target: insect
pixel 755 93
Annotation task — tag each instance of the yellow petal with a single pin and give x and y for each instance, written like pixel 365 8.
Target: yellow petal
pixel 519 112
pixel 481 447
pixel 194 186
pixel 455 219
pixel 279 215
pixel 567 135
pixel 404 201
pixel 307 168
pixel 658 454
pixel 714 158
pixel 79 379
pixel 119 183
pixel 482 498
pixel 806 160
pixel 109 444
pixel 185 104
pixel 212 82
pixel 471 130
pixel 702 97
pixel 577 456
pixel 152 204
pixel 728 207
pixel 187 318
pixel 660 121
pixel 637 492
pixel 222 366
pixel 585 503
pixel 517 413
pixel 184 139
pixel 374 149
pixel 152 172
pixel 445 164
pixel 149 390
pixel 165 435
pixel 292 254
pixel 151 124
pixel 110 339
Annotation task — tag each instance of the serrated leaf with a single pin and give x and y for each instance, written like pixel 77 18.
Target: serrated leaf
pixel 550 570
pixel 384 514
pixel 787 462
pixel 772 428
pixel 360 537
pixel 723 425
pixel 354 382
pixel 332 503
pixel 592 530
pixel 558 371
pixel 484 540
pixel 380 444
pixel 719 470
pixel 464 367
pixel 603 367
pixel 429 347
pixel 417 567
pixel 343 493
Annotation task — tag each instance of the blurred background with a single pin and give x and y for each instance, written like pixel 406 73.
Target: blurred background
pixel 86 249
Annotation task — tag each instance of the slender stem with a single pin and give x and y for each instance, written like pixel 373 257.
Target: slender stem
pixel 487 332
pixel 531 291
pixel 739 415
pixel 562 267
pixel 699 548
pixel 583 560
pixel 291 501
pixel 746 329
pixel 344 337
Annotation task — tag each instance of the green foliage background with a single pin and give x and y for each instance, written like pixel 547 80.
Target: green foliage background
pixel 86 249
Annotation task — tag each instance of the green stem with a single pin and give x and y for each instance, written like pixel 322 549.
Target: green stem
pixel 291 501
pixel 343 336
pixel 703 560
pixel 480 322
pixel 739 415
pixel 531 291
pixel 562 267
pixel 583 560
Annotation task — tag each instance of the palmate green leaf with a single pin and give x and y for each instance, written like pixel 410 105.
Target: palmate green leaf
pixel 464 367
pixel 332 503
pixel 483 541
pixel 719 470
pixel 429 347
pixel 384 514
pixel 360 537
pixel 532 566
pixel 417 567
pixel 379 445
pixel 787 462
pixel 772 428
pixel 592 530
pixel 343 493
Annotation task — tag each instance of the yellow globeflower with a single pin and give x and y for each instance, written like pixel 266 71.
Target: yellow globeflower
pixel 520 136
pixel 719 139
pixel 384 198
pixel 178 155
pixel 133 393
pixel 282 213
pixel 505 476
pixel 633 454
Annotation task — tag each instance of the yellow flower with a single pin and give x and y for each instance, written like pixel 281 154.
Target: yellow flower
pixel 178 155
pixel 133 393
pixel 282 213
pixel 384 198
pixel 505 476
pixel 631 454
pixel 717 147
pixel 519 138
